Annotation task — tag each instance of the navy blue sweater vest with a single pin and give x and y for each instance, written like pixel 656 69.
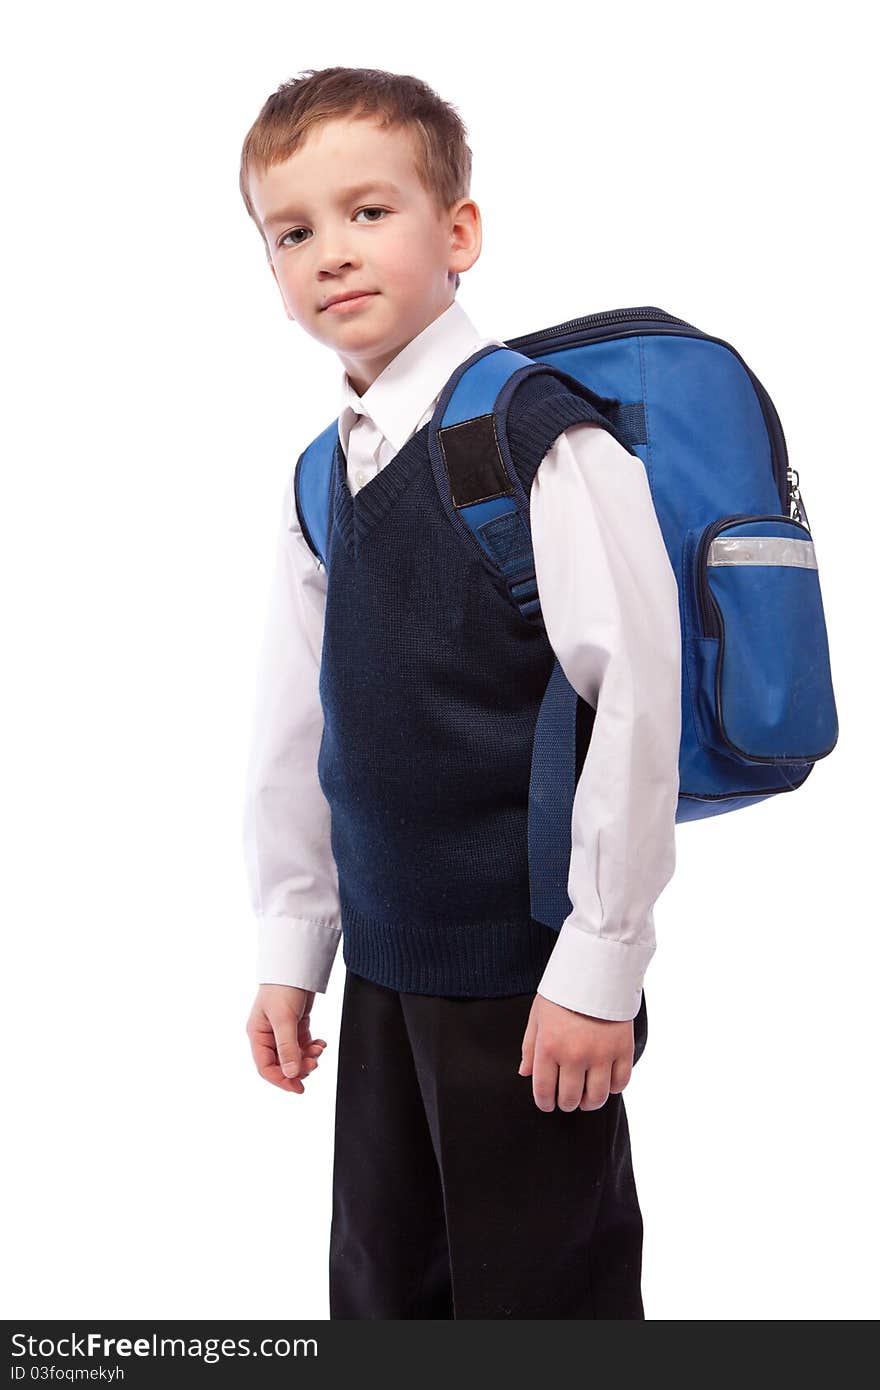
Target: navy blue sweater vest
pixel 430 683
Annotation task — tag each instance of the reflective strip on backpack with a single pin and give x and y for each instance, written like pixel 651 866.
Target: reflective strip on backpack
pixel 762 550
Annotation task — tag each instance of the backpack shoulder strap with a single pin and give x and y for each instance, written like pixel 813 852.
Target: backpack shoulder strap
pixel 478 481
pixel 484 492
pixel 312 479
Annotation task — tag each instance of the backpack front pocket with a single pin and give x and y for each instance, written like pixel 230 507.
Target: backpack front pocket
pixel 757 661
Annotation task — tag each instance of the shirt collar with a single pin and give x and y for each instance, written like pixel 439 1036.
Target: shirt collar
pixel 406 389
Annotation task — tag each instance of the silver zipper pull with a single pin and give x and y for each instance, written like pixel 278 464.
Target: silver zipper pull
pixel 799 512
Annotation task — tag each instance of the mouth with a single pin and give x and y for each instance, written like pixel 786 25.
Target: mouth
pixel 348 302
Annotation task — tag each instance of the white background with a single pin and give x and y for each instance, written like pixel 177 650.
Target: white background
pixel 717 163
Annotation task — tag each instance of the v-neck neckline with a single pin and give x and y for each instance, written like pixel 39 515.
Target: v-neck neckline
pixel 357 513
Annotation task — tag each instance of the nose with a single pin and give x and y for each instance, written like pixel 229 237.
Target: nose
pixel 334 258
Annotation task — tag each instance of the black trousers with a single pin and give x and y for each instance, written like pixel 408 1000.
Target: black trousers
pixel 454 1196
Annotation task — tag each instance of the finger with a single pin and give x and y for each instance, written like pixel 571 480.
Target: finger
pixel 620 1074
pixel 276 1049
pixel 264 1049
pixel 528 1045
pixel 266 1061
pixel 596 1090
pixel 545 1074
pixel 572 1080
pixel 286 1032
pixel 305 1039
pixel 272 1072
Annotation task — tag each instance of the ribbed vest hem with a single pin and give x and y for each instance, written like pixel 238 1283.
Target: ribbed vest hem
pixel 540 425
pixel 481 961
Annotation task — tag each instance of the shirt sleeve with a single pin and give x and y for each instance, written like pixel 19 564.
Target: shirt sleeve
pixel 610 603
pixel 291 873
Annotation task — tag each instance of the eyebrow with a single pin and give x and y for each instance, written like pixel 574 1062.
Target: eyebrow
pixel 345 194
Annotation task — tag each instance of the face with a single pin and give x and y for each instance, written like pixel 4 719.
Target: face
pixel 347 213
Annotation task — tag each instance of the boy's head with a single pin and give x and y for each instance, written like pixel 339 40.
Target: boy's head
pixel 359 180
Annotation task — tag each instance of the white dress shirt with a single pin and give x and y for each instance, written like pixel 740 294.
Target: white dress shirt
pixel 610 604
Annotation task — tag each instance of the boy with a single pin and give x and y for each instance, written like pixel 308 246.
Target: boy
pixel 387 789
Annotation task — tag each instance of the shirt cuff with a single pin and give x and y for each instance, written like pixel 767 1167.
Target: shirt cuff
pixel 595 975
pixel 294 951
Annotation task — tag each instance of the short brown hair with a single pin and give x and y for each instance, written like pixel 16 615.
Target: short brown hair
pixel 443 158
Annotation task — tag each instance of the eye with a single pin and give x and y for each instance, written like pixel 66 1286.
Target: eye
pixel 383 212
pixel 281 240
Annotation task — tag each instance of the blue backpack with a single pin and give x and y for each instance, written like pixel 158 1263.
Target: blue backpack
pixel 758 707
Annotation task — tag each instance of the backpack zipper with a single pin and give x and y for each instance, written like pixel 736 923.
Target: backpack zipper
pixel 610 316
pixel 703 583
pixel 710 617
pixel 591 329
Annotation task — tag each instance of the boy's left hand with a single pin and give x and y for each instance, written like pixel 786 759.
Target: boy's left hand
pixel 586 1058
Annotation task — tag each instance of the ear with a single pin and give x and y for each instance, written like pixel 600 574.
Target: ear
pixel 466 236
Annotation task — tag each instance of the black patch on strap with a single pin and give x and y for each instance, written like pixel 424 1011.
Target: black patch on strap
pixel 473 461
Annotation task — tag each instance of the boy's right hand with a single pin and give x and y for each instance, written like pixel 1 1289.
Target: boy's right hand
pixel 280 1033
